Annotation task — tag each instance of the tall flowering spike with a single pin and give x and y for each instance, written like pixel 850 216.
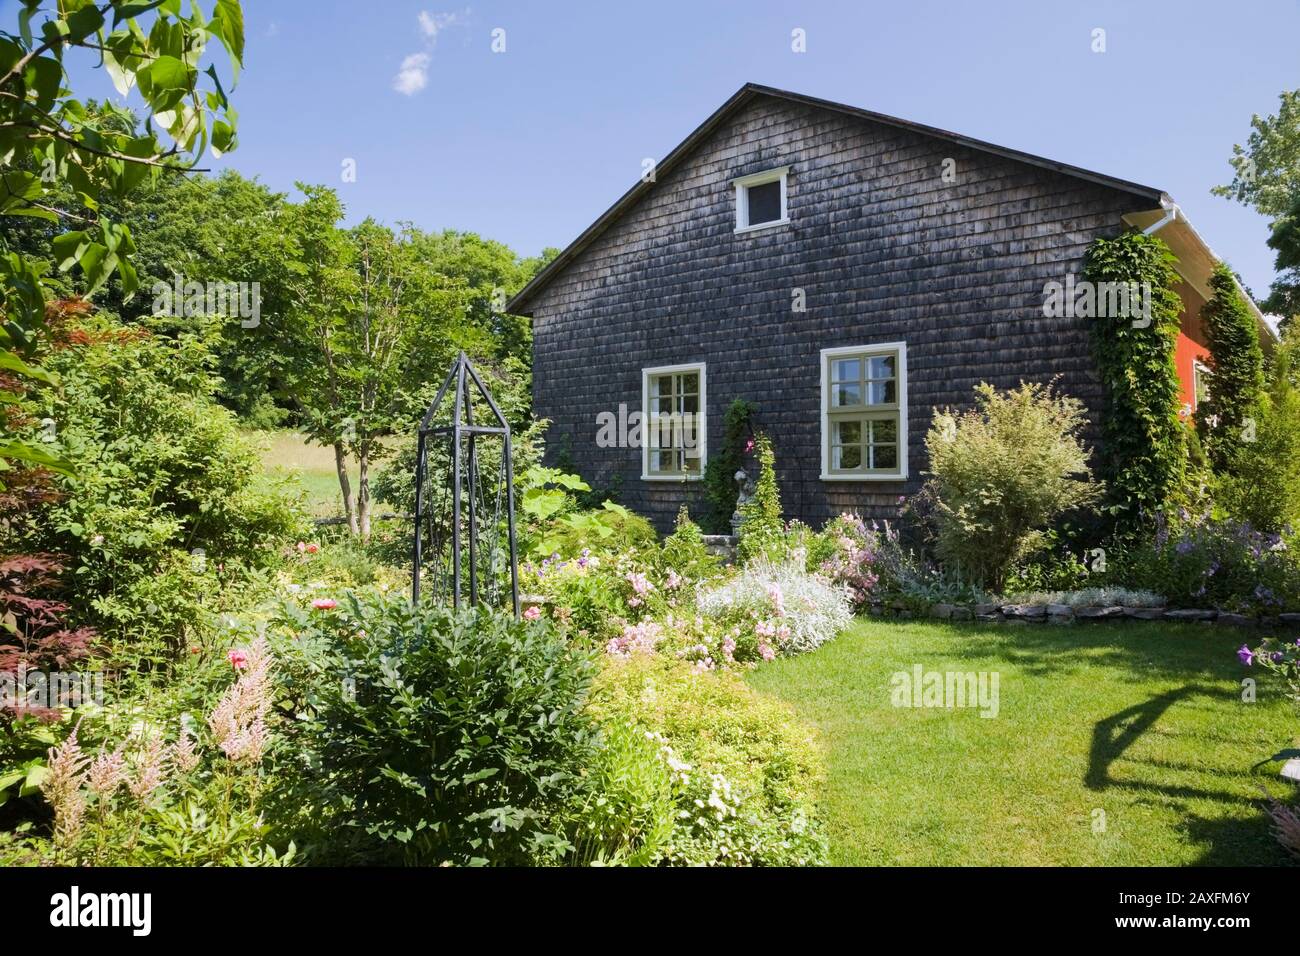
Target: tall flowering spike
pixel 65 774
pixel 107 773
pixel 238 722
pixel 151 768
pixel 184 756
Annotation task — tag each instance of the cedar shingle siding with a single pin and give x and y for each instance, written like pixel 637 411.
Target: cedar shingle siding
pixel 885 250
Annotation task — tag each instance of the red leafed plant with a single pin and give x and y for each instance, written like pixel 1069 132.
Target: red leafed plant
pixel 33 633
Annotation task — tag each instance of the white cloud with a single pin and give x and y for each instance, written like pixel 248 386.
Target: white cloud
pixel 413 75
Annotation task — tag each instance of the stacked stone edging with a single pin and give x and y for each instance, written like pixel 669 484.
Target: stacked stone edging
pixel 1066 614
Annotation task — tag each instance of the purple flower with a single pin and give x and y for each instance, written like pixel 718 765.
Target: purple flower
pixel 1245 655
pixel 1184 546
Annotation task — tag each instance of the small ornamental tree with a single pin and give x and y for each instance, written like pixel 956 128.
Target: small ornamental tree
pixel 761 529
pixel 1228 419
pixel 1144 444
pixel 1002 473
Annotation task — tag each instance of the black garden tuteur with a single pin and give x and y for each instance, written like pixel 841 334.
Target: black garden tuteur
pixel 459 519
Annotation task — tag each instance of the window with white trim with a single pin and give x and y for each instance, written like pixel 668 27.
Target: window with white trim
pixel 864 412
pixel 761 200
pixel 1201 376
pixel 673 427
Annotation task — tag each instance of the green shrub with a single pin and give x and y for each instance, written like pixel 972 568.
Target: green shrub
pixel 1002 473
pixel 1206 562
pixel 170 501
pixel 683 552
pixel 761 529
pixel 1262 486
pixel 438 736
pixel 744 768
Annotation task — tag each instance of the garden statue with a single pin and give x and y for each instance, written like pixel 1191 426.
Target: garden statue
pixel 745 486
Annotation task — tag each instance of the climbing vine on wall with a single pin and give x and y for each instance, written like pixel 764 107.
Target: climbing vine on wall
pixel 1144 454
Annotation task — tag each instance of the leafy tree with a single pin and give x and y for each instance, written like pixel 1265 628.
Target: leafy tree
pixel 51 141
pixel 1267 168
pixel 1284 296
pixel 371 333
pixel 1228 418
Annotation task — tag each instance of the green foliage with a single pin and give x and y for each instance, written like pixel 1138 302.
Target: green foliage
pixel 762 531
pixel 1002 473
pixel 1228 418
pixel 1144 448
pixel 720 473
pixel 627 814
pixel 556 525
pixel 170 499
pixel 744 767
pixel 51 142
pixel 1206 562
pixel 1266 173
pixel 1263 485
pixel 684 552
pixel 438 736
pixel 1284 295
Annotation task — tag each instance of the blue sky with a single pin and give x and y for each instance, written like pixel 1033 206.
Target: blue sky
pixel 530 145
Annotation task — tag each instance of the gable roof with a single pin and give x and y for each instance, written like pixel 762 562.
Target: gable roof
pixel 752 91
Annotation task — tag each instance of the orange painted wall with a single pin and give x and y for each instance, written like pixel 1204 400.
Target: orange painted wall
pixel 1186 354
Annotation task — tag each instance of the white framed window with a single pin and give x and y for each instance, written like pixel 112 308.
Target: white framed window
pixel 864 412
pixel 1201 377
pixel 761 200
pixel 674 432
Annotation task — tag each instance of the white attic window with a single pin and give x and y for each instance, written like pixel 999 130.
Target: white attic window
pixel 761 200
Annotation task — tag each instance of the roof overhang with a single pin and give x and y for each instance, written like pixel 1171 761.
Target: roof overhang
pixel 520 304
pixel 1196 260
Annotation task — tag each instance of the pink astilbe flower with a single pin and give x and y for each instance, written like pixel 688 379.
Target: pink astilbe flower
pixel 238 722
pixel 65 773
pixel 184 757
pixel 640 584
pixel 151 767
pixel 107 773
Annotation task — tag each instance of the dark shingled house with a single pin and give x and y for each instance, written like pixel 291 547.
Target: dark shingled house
pixel 845 270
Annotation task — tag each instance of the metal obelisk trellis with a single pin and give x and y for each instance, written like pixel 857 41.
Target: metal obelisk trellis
pixel 459 512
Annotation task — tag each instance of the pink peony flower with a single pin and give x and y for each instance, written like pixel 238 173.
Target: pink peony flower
pixel 324 604
pixel 238 659
pixel 533 613
pixel 312 548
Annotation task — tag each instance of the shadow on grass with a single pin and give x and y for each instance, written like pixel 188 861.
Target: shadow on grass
pixel 1145 649
pixel 1227 841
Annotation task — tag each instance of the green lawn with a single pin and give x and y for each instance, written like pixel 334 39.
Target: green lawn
pixel 311 466
pixel 1142 721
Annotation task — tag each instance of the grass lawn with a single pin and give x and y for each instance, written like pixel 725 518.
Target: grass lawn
pixel 312 466
pixel 1143 721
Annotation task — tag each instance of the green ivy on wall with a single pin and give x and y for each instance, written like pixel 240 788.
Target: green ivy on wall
pixel 1226 419
pixel 1144 453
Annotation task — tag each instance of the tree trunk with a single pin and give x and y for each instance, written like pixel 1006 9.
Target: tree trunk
pixel 341 463
pixel 363 490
